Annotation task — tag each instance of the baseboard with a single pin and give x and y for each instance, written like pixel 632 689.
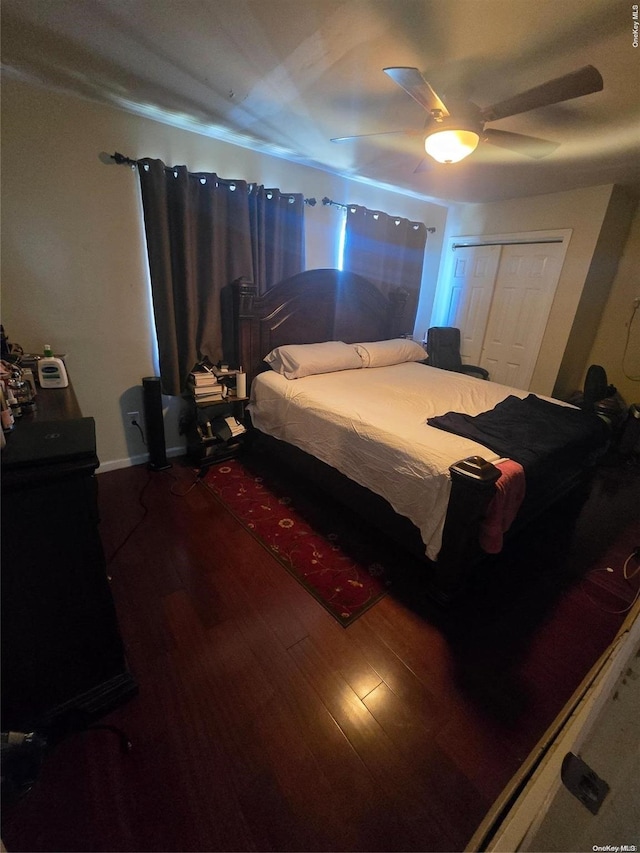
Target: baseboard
pixel 138 459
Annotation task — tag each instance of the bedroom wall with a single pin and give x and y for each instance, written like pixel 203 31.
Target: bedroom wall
pixel 74 263
pixel 581 210
pixel 597 287
pixel 617 341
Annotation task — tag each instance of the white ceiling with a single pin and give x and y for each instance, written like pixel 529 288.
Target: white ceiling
pixel 285 76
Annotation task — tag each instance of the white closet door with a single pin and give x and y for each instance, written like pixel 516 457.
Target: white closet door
pixel 525 286
pixel 472 283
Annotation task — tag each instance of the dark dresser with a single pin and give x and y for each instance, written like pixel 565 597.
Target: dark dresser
pixel 63 661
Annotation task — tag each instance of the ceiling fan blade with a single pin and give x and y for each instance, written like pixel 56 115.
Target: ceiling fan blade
pixel 412 81
pixel 380 133
pixel 585 81
pixel 425 165
pixel 530 146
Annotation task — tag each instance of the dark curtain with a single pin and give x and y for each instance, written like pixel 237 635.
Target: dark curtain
pixel 277 228
pixel 388 250
pixel 203 232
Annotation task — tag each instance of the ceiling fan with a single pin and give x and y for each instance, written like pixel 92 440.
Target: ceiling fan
pixel 451 136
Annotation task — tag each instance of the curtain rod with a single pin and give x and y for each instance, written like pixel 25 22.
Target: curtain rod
pixel 327 201
pixel 123 160
pixel 505 243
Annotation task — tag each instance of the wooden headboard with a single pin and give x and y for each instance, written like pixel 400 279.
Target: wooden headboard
pixel 311 307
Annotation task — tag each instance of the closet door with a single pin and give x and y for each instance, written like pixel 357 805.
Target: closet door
pixel 472 282
pixel 525 286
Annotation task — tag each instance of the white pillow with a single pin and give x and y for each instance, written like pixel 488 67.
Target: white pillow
pixel 297 360
pixel 384 353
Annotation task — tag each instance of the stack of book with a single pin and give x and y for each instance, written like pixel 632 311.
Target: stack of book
pixel 205 387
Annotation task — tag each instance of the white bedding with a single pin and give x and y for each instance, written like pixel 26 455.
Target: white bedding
pixel 371 425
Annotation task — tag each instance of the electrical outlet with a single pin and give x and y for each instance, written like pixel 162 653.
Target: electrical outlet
pixel 133 418
pixel 636 302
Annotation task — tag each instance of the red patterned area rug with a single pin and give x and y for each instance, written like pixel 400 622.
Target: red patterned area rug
pixel 323 547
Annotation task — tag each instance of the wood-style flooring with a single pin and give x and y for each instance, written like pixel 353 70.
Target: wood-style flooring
pixel 263 725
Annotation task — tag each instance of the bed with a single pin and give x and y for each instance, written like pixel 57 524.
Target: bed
pixel 366 427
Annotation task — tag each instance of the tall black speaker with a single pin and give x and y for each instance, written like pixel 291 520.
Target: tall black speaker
pixel 152 396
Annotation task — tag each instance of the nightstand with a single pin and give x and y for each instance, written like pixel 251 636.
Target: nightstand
pixel 215 431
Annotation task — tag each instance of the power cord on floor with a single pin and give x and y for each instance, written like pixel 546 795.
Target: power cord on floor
pixel 145 508
pixel 635 553
pixel 172 491
pixel 626 574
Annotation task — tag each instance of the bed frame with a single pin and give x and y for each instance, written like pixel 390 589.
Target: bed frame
pixel 325 305
pixel 311 307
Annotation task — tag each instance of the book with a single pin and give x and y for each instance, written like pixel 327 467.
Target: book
pixel 208 386
pixel 204 379
pixel 235 426
pixel 206 394
pixel 209 400
pixel 200 390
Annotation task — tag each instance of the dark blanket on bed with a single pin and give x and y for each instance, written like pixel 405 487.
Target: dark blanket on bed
pixel 540 435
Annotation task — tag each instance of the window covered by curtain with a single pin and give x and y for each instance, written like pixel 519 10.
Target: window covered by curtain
pixel 388 250
pixel 277 229
pixel 203 232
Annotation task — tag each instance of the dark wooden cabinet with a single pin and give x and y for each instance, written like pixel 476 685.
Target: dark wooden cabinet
pixel 62 653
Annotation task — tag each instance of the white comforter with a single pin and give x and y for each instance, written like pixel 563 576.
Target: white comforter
pixel 370 424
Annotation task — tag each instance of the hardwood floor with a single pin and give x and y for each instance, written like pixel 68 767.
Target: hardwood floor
pixel 263 725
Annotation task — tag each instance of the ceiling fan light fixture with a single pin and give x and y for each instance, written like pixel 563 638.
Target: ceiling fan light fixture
pixel 450 145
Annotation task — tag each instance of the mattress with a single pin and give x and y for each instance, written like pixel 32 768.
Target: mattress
pixel 370 424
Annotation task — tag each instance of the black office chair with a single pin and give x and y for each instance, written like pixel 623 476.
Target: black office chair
pixel 603 399
pixel 443 350
pixel 596 387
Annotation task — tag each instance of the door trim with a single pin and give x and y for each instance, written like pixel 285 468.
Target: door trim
pixel 504 243
pixel 557 235
pixel 440 301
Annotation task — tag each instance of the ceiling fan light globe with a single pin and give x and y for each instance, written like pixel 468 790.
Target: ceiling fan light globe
pixel 451 146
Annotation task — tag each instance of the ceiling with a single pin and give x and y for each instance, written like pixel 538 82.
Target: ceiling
pixel 285 76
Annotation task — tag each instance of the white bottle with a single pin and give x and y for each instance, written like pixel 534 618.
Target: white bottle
pixel 51 370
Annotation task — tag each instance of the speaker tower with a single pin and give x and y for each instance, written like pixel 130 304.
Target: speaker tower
pixel 152 398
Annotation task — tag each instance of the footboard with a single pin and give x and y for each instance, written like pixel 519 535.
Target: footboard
pixel 472 488
pixel 471 493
